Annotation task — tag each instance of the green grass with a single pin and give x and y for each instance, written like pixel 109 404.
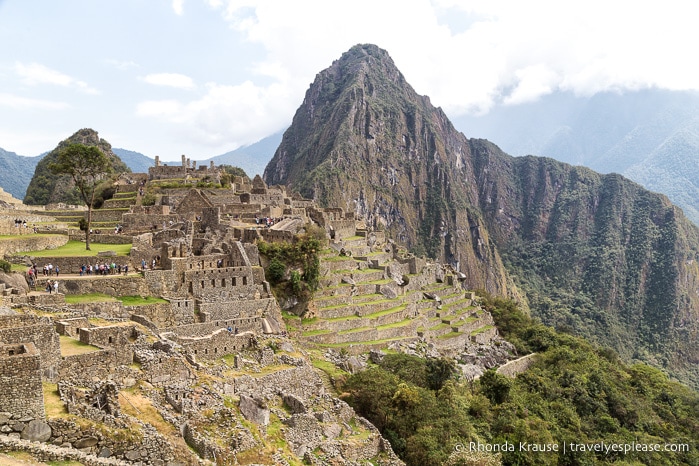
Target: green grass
pixel 357 343
pixel 89 298
pixel 481 330
pixel 77 249
pixel 311 333
pixel 386 312
pixel 141 300
pixel 402 323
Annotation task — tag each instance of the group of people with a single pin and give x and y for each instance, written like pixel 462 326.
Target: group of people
pixel 267 221
pixel 104 269
pixel 49 270
pixel 51 286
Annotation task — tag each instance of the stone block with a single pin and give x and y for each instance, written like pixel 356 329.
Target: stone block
pixel 254 410
pixel 37 431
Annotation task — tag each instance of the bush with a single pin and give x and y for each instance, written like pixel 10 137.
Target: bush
pixel 148 199
pixel 5 266
pixel 276 271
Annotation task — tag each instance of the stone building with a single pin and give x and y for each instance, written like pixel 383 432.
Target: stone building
pixel 21 392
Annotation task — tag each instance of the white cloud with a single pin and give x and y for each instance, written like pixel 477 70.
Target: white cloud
pixel 178 7
pixel 176 80
pixel 23 103
pixel 121 65
pixel 225 115
pixel 34 74
pixel 469 55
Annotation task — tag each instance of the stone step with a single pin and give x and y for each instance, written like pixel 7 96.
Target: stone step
pixel 118 203
pixel 359 347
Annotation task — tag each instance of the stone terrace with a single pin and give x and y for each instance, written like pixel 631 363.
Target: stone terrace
pixel 362 306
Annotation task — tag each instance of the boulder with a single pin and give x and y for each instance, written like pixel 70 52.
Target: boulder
pixel 254 410
pixel 37 431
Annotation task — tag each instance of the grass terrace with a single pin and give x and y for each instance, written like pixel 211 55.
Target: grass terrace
pixel 141 300
pixel 77 249
pixel 89 298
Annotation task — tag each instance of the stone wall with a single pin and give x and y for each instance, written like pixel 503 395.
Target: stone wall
pixel 71 327
pixel 116 337
pixel 216 345
pixel 21 392
pixel 298 381
pixel 31 242
pixel 37 330
pixel 164 369
pixel 513 368
pixel 87 368
pixel 110 310
pixel 177 312
pixel 113 285
pixel 244 309
pixel 127 445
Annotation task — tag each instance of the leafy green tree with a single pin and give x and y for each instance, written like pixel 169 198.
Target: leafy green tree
pixel 87 166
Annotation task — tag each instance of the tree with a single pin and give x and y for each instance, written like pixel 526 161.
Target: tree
pixel 87 166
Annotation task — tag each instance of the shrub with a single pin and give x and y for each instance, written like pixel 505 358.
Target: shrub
pixel 5 266
pixel 276 271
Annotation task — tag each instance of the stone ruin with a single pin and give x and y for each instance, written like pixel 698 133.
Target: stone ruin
pixel 219 307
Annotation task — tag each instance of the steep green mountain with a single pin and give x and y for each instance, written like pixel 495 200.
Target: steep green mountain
pixel 597 254
pixel 16 172
pixel 45 187
pixel 650 136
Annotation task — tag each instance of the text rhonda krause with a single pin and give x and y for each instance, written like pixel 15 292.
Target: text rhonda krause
pixel 601 447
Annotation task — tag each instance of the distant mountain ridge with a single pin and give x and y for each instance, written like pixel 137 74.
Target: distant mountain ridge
pixel 594 253
pixel 16 172
pixel 650 136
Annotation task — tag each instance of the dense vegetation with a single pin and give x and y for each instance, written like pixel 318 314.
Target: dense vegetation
pixel 16 172
pixel 294 268
pixel 574 393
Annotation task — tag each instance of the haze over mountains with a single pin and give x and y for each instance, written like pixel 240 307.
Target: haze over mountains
pixel 16 171
pixel 650 136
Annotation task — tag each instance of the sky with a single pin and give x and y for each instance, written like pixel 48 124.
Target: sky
pixel 204 77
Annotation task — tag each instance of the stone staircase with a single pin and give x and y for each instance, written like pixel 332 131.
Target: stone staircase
pixel 361 307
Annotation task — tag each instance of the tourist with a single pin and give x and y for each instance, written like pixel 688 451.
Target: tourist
pixel 55 286
pixel 49 286
pixel 57 269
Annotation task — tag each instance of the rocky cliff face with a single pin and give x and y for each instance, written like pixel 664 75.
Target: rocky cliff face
pixel 364 140
pixel 46 188
pixel 594 253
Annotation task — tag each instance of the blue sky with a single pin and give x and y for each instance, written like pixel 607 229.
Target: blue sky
pixel 202 77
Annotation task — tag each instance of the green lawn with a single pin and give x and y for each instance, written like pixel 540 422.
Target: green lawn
pixel 77 249
pixel 141 300
pixel 89 298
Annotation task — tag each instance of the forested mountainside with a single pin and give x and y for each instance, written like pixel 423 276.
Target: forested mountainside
pixel 16 172
pixel 594 253
pixel 649 135
pixel 46 187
